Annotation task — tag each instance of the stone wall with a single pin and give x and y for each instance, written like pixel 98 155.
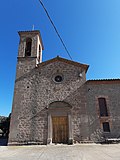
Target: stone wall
pixel 35 89
pixel 110 90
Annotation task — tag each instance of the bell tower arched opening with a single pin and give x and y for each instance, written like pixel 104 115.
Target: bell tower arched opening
pixel 28 47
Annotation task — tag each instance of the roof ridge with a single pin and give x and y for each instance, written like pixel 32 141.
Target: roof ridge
pixel 29 31
pixel 103 81
pixel 58 58
pixel 106 79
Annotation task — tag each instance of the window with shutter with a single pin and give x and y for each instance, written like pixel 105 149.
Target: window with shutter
pixel 103 107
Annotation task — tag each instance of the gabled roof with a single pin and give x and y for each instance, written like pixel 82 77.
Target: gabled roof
pixel 59 59
pixel 103 81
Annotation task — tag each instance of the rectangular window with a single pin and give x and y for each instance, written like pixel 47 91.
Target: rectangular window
pixel 102 107
pixel 106 127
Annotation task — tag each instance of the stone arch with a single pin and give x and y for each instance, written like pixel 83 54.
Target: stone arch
pixel 59 110
pixel 59 104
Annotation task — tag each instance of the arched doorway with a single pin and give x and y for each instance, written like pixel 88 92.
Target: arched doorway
pixel 59 123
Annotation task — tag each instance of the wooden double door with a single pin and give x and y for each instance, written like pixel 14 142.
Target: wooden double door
pixel 60 129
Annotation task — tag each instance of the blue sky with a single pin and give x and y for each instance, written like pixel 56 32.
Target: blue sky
pixel 89 28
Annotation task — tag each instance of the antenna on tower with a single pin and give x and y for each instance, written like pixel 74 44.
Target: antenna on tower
pixel 33 27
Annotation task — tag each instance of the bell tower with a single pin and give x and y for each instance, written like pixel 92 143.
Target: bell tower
pixel 29 52
pixel 29 56
pixel 30 46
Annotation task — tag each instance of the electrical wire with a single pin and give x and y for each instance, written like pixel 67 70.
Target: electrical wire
pixel 55 29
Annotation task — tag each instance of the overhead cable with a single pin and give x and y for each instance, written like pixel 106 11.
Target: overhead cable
pixel 55 29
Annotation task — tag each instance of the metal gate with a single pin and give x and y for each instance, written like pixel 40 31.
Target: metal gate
pixel 60 129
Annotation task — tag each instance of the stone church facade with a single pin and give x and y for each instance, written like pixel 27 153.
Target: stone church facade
pixel 54 103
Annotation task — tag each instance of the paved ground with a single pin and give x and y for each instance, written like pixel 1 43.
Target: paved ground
pixel 61 152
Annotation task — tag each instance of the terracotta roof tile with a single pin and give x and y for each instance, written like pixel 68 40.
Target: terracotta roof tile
pixel 103 81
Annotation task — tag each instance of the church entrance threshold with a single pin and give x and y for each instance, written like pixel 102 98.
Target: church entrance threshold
pixel 60 129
